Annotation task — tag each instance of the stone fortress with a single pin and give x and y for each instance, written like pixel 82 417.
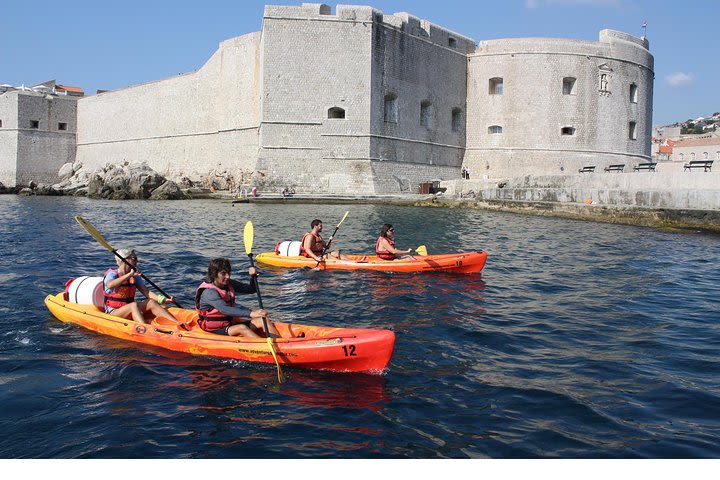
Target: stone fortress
pixel 358 102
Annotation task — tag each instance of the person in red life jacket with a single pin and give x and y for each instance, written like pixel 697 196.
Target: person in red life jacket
pixel 385 245
pixel 215 304
pixel 312 244
pixel 120 286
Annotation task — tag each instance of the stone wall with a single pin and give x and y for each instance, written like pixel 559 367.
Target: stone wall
pixel 187 124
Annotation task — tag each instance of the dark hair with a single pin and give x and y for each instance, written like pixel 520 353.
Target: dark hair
pixel 315 222
pixel 217 265
pixel 384 229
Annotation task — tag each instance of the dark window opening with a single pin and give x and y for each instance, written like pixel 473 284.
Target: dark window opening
pixel 390 114
pixel 495 129
pixel 426 114
pixel 632 131
pixel 452 42
pixel 62 126
pixel 456 120
pixel 496 86
pixel 568 87
pixel 567 131
pixel 34 123
pixel 336 112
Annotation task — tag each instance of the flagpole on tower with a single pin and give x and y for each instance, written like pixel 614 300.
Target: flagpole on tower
pixel 644 27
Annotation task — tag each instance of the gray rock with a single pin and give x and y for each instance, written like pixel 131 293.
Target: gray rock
pixel 66 171
pixel 168 191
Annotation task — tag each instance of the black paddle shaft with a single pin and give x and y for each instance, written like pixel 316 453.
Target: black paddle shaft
pixel 145 278
pixel 257 290
pixel 327 245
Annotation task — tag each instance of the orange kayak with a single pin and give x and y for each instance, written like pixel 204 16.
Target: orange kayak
pixel 470 262
pixel 303 346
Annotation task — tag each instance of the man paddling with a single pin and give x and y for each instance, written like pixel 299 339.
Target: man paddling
pixel 215 303
pixel 313 246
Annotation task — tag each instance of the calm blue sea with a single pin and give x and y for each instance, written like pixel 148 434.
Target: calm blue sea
pixel 578 340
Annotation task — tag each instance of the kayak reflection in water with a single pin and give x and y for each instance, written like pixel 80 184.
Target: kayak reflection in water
pixel 215 304
pixel 385 245
pixel 120 286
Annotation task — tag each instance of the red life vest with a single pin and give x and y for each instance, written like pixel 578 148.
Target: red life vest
pixel 214 319
pixel 384 254
pixel 317 249
pixel 123 295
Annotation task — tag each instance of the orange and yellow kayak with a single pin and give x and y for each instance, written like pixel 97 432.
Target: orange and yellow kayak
pixel 303 346
pixel 470 262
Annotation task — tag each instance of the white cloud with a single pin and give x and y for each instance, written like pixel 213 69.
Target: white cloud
pixel 532 3
pixel 679 79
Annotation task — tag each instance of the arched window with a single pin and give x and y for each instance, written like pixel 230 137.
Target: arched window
pixel 496 86
pixel 705 155
pixel 426 114
pixel 336 112
pixel 391 115
pixel 692 156
pixel 494 129
pixel 682 157
pixel 568 86
pixel 457 120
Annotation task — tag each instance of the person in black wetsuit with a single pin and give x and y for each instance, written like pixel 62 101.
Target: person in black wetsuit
pixel 215 304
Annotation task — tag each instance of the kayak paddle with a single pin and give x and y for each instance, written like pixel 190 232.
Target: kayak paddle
pixel 98 236
pixel 327 247
pixel 248 236
pixel 422 251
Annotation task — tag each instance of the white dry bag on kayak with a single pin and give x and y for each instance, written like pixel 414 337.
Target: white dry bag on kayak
pixel 288 248
pixel 87 290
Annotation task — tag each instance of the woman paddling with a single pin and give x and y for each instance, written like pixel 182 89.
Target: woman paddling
pixel 385 245
pixel 120 285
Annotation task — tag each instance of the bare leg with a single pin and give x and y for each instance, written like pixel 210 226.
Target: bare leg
pixel 130 310
pixel 241 330
pixel 258 323
pixel 156 309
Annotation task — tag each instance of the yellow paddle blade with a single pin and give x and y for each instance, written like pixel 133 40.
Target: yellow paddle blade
pixel 422 251
pixel 343 219
pixel 93 231
pixel 281 375
pixel 248 235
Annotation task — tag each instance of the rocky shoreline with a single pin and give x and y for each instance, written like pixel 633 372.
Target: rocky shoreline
pixel 138 181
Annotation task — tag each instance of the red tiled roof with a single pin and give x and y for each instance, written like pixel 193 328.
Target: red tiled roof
pixel 69 89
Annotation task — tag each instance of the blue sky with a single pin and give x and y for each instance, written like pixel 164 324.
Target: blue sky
pixel 108 45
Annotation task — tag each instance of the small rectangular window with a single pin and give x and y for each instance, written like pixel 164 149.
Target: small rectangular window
pixel 495 130
pixel 391 115
pixel 34 124
pixel 426 114
pixel 567 131
pixel 568 86
pixel 633 93
pixel 496 86
pixel 0 123
pixel 632 131
pixel 452 43
pixel 456 120
pixel 62 126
